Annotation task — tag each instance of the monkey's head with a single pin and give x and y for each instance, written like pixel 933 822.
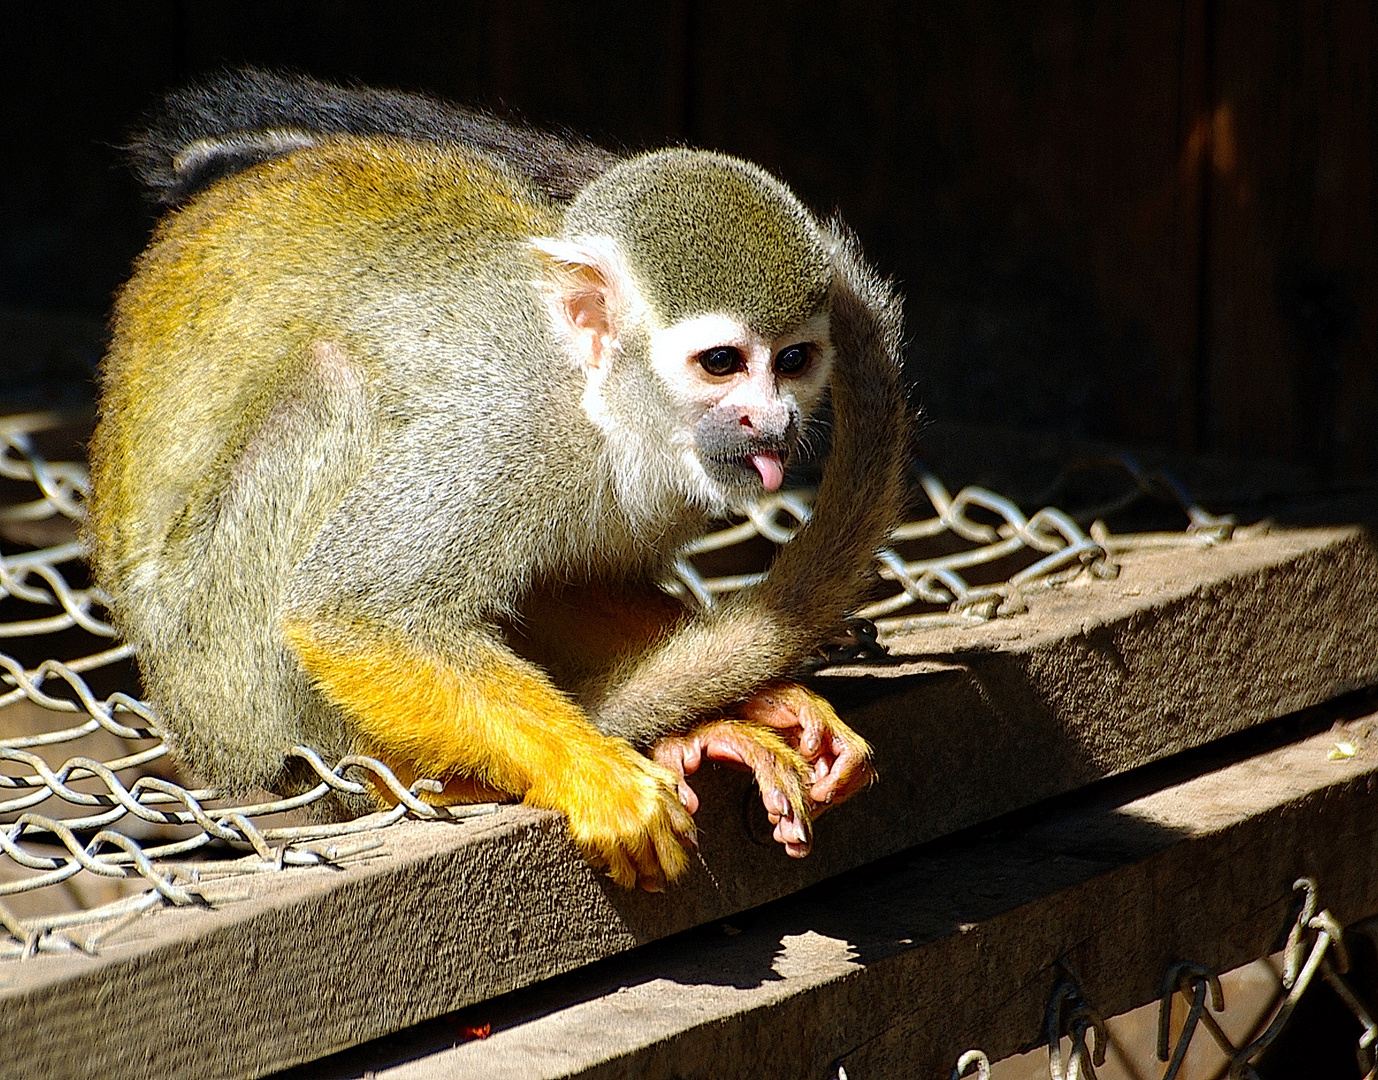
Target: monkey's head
pixel 692 290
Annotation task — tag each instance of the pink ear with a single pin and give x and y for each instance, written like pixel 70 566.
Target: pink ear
pixel 581 285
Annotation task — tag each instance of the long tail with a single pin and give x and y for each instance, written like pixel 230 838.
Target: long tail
pixel 227 122
pixel 763 633
pixel 825 571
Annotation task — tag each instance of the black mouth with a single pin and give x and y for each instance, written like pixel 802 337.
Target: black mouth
pixel 744 460
pixel 739 470
pixel 742 453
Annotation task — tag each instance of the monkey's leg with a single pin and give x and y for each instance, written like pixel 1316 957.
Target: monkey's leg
pixel 782 775
pixel 839 759
pixel 803 756
pixel 482 713
pixel 584 631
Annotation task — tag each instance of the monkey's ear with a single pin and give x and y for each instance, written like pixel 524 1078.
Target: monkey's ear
pixel 586 291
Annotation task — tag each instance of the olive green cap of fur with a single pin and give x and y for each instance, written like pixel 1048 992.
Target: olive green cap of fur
pixel 706 233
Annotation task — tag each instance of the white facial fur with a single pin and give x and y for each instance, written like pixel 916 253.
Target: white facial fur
pixel 592 296
pixel 757 397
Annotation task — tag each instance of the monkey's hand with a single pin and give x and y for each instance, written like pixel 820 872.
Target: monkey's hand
pixel 625 813
pixel 493 717
pixel 839 759
pixel 782 775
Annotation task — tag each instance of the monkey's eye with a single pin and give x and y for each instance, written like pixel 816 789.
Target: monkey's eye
pixel 722 361
pixel 793 360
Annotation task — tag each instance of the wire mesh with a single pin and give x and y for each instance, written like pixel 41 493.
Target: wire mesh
pixel 1040 551
pixel 118 814
pixel 1315 946
pixel 111 814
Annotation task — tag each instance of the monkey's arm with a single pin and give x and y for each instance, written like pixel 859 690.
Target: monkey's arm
pixel 801 755
pixel 479 714
pixel 724 656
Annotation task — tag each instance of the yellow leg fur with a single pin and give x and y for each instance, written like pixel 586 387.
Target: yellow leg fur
pixel 500 724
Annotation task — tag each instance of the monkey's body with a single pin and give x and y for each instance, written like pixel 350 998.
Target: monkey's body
pixel 297 365
pixel 325 515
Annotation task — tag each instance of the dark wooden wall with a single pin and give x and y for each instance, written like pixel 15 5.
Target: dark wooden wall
pixel 1137 221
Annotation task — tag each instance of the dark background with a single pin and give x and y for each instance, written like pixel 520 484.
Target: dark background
pixel 1147 222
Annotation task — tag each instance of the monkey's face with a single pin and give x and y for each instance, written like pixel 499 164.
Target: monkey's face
pixel 705 408
pixel 741 400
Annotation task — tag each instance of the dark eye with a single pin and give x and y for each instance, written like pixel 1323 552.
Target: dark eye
pixel 721 361
pixel 793 360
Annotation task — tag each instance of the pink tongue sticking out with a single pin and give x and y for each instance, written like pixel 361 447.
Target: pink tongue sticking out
pixel 772 472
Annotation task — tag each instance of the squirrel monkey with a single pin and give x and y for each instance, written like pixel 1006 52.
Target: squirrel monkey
pixel 405 412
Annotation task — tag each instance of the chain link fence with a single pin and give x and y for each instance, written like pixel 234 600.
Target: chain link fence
pixel 113 815
pixel 115 811
pixel 988 532
pixel 1315 945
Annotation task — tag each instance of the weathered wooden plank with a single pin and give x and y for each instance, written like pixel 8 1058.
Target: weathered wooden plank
pixel 896 973
pixel 969 723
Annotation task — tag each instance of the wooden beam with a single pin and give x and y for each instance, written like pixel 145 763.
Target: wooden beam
pixel 894 973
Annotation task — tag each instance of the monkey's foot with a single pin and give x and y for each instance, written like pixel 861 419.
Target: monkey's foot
pixel 781 773
pixel 625 814
pixel 839 759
